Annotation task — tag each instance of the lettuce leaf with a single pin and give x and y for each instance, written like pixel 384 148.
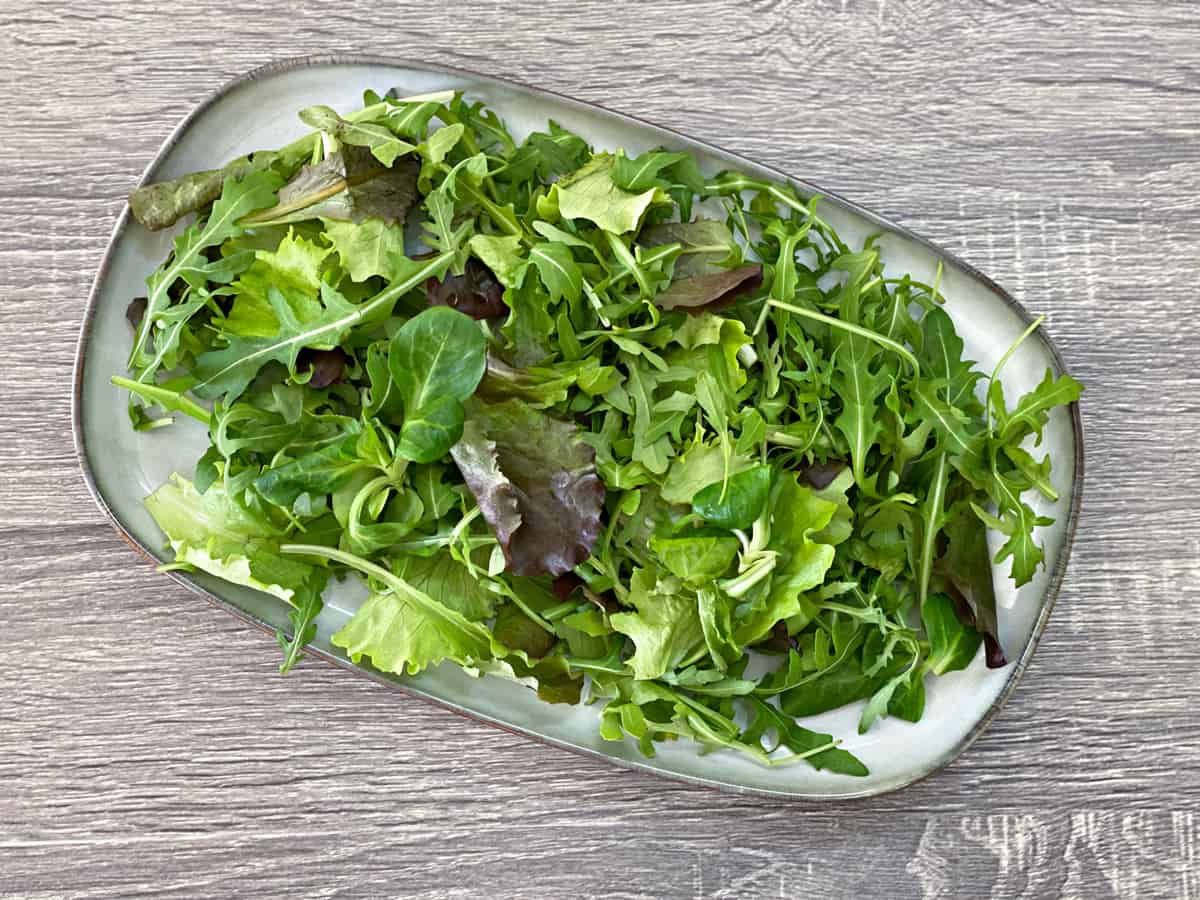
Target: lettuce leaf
pixel 535 481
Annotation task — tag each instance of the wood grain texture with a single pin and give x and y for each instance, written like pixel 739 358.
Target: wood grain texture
pixel 147 746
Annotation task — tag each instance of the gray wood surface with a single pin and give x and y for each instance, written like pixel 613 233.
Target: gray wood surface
pixel 147 746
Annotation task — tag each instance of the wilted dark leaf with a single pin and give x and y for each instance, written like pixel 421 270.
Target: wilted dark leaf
pixel 135 310
pixel 327 366
pixel 821 475
pixel 566 584
pixel 475 292
pixel 711 292
pixel 350 186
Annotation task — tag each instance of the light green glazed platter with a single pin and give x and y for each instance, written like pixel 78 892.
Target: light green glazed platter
pixel 122 466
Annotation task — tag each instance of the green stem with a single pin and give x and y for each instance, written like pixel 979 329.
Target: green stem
pixel 867 333
pixel 934 504
pixel 1007 356
pixel 167 399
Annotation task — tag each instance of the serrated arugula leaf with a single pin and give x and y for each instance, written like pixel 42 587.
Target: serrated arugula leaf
pixel 1032 411
pixel 645 171
pixel 804 743
pixel 558 270
pixel 238 198
pixel 228 371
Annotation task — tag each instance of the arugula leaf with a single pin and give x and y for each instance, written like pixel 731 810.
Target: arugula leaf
pixel 304 630
pixel 237 199
pixel 1031 412
pixel 642 173
pixel 436 359
pixel 558 270
pixel 800 741
pixel 228 371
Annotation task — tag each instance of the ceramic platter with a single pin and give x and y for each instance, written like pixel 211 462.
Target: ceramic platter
pixel 259 111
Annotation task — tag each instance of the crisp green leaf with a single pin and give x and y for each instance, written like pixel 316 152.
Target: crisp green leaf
pixel 590 193
pixel 558 270
pixel 735 503
pixel 228 371
pixel 664 626
pixel 952 645
pixel 372 248
pixel 437 359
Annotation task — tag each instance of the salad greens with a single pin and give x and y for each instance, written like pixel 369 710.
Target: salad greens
pixel 605 425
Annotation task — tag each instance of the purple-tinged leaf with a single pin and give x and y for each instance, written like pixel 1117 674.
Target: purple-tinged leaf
pixel 711 292
pixel 476 292
pixel 535 481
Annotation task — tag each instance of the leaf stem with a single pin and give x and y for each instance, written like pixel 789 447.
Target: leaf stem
pixel 867 333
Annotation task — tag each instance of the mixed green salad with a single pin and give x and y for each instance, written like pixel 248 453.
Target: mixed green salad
pixel 616 428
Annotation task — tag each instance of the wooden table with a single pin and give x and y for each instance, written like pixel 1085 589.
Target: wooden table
pixel 147 745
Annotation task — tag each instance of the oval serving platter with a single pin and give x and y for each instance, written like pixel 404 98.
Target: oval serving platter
pixel 122 466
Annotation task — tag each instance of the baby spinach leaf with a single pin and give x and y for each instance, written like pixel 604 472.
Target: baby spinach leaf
pixel 737 502
pixel 436 360
pixel 322 471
